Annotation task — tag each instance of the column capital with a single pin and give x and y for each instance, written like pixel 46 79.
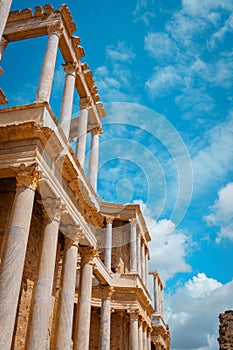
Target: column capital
pixel 85 102
pixel 70 68
pixel 55 28
pixel 69 242
pixel 140 320
pixel 3 41
pixel 133 314
pixel 97 130
pixel 106 292
pixel 109 219
pixel 73 232
pixel 27 176
pixel 133 222
pixel 88 254
pixel 53 208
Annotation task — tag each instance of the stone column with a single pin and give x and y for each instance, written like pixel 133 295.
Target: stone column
pixel 134 330
pixel 140 334
pixel 149 338
pixel 156 293
pixel 108 243
pixel 82 331
pixel 105 319
pixel 65 322
pixel 15 251
pixel 85 103
pixel 67 98
pixel 5 6
pixel 3 45
pixel 94 157
pixel 43 289
pixel 145 342
pixel 143 261
pixel 139 253
pixel 47 72
pixel 146 266
pixel 133 245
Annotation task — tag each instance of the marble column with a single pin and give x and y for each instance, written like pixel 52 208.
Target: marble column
pixel 94 157
pixel 139 253
pixel 143 261
pixel 83 316
pixel 133 245
pixel 148 338
pixel 108 243
pixel 105 318
pixel 53 210
pixel 156 293
pixel 3 45
pixel 144 330
pixel 134 330
pixel 146 266
pixel 140 334
pixel 13 259
pixel 5 6
pixel 65 322
pixel 67 98
pixel 85 103
pixel 47 72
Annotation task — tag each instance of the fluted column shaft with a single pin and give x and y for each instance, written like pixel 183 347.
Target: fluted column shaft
pixel 105 319
pixel 145 342
pixel 146 267
pixel 15 251
pixel 82 130
pixel 108 244
pixel 82 332
pixel 133 245
pixel 139 254
pixel 43 290
pixel 5 6
pixel 67 296
pixel 67 98
pixel 143 261
pixel 94 157
pixel 134 331
pixel 47 72
pixel 149 339
pixel 140 335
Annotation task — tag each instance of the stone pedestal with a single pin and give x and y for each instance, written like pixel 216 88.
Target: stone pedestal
pixel 133 245
pixel 47 72
pixel 108 244
pixel 94 157
pixel 85 103
pixel 15 250
pixel 105 319
pixel 67 98
pixel 43 290
pixel 134 331
pixel 67 296
pixel 82 324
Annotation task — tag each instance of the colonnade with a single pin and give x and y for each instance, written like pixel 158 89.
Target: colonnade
pixel 140 332
pixel 12 267
pixel 44 92
pixel 139 253
pixel 158 292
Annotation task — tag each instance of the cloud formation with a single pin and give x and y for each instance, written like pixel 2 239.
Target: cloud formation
pixel 192 326
pixel 222 213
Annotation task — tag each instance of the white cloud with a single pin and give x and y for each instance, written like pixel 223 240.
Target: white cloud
pixel 163 80
pixel 192 312
pixel 169 246
pixel 214 161
pixel 143 11
pixel 122 52
pixel 160 46
pixel 222 213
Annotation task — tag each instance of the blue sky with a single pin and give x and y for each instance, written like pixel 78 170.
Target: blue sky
pixel 164 70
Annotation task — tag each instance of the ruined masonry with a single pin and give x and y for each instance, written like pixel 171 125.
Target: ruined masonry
pixel 74 269
pixel 226 330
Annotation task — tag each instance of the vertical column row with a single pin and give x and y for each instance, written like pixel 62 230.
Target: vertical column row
pixel 13 259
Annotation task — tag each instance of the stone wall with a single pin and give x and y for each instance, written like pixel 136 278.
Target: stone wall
pixel 226 330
